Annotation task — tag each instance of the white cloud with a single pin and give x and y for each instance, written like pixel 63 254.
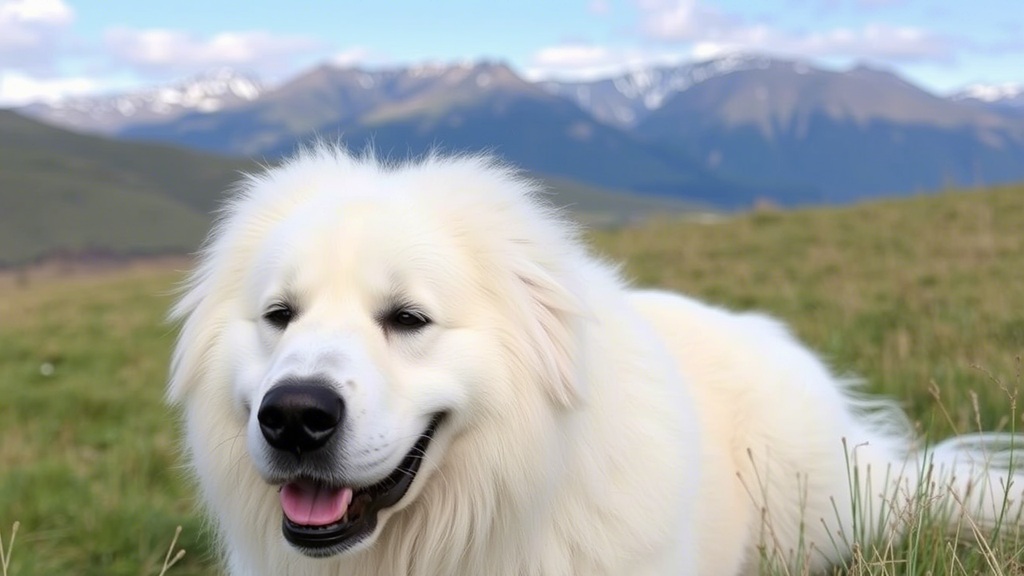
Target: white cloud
pixel 586 61
pixel 163 52
pixel 38 11
pixel 352 57
pixel 572 55
pixel 576 61
pixel 711 32
pixel 31 31
pixel 682 20
pixel 872 42
pixel 17 88
pixel 685 29
pixel 878 40
pixel 599 7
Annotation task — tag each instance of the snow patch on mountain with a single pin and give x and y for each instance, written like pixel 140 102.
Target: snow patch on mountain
pixel 991 93
pixel 207 92
pixel 624 99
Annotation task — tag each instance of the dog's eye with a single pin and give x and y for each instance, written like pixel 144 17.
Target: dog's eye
pixel 279 316
pixel 406 319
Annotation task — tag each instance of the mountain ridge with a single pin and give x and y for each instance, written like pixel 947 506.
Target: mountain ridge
pixel 210 91
pixel 725 131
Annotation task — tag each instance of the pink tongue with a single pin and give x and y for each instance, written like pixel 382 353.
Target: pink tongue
pixel 308 504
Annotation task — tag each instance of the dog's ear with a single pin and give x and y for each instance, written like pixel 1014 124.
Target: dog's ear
pixel 556 316
pixel 200 322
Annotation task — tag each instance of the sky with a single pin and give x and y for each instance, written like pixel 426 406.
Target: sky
pixel 55 48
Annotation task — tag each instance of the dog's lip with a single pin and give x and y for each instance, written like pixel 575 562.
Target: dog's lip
pixel 343 534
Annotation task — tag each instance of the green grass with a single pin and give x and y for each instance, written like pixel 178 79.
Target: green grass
pixel 910 294
pixel 923 297
pixel 89 460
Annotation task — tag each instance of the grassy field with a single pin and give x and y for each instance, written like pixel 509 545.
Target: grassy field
pixel 88 454
pixel 913 295
pixel 923 297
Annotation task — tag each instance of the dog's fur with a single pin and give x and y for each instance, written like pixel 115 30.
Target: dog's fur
pixel 591 429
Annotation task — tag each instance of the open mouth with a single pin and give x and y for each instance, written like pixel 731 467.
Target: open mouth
pixel 322 520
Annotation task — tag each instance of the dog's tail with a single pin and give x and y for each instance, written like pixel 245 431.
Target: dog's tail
pixel 972 484
pixel 976 481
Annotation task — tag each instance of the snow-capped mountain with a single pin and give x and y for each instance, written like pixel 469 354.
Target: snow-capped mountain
pixel 999 97
pixel 991 92
pixel 626 99
pixel 209 92
pixel 721 131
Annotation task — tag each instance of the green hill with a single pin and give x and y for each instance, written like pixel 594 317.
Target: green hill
pixel 62 192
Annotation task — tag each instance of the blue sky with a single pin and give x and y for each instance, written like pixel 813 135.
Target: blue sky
pixel 50 48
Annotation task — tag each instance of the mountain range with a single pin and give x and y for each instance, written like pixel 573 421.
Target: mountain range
pixel 208 92
pixel 841 135
pixel 727 132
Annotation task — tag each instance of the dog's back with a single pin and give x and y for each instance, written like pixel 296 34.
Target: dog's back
pixel 797 465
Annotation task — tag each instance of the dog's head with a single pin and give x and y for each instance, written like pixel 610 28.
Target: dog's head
pixel 355 322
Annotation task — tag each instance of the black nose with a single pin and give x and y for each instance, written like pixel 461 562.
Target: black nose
pixel 300 417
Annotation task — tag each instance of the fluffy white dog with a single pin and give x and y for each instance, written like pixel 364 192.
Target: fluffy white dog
pixel 419 369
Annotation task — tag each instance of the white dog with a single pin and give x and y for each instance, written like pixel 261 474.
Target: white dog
pixel 419 369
